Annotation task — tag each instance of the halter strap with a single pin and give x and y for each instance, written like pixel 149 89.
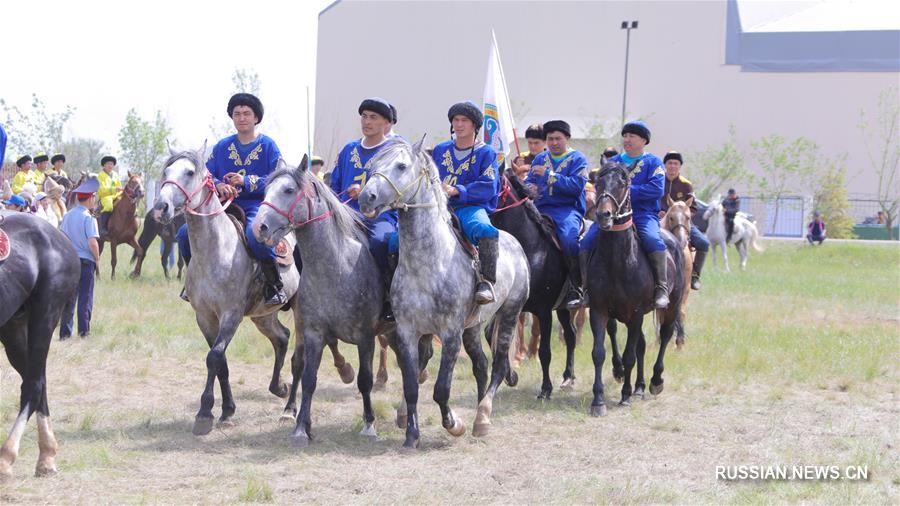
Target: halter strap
pixel 620 227
pixel 403 206
pixel 289 214
pixel 189 196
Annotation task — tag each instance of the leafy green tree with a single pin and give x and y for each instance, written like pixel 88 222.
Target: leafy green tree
pixel 142 143
pixel 881 138
pixel 242 81
pixel 82 154
pixel 716 167
pixel 830 200
pixel 785 166
pixel 35 128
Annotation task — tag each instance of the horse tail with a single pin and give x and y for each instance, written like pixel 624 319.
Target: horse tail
pixel 754 235
pixel 495 335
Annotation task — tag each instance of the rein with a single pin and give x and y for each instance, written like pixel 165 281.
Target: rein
pixel 189 196
pixel 507 193
pixel 289 214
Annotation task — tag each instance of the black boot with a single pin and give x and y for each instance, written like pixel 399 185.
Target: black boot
pixel 184 295
pixel 104 222
pixel 274 291
pixel 387 312
pixel 574 297
pixel 488 249
pixel 661 293
pixel 699 258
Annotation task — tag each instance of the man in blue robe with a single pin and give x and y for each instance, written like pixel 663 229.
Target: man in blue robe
pixel 240 165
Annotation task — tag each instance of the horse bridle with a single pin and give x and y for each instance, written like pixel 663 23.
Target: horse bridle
pixel 398 203
pixel 189 196
pixel 131 194
pixel 289 214
pixel 507 192
pixel 625 201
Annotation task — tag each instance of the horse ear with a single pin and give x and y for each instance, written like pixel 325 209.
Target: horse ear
pixel 172 151
pixel 203 150
pixel 669 201
pixel 304 163
pixel 280 164
pixel 417 147
pixel 689 202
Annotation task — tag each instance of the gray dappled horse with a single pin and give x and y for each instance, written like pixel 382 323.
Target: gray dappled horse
pixel 223 281
pixel 341 284
pixel 39 274
pixel 432 290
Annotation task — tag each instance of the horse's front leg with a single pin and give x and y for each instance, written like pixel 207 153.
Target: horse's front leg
pixel 504 327
pixel 744 251
pixel 450 341
pixel 216 367
pixel 113 246
pixel 366 349
pixel 639 384
pixel 725 256
pixel 565 320
pixel 618 369
pixel 406 346
pixel 545 354
pixel 139 251
pixel 665 334
pixel 297 363
pixel 314 344
pixel 598 322
pixel 628 358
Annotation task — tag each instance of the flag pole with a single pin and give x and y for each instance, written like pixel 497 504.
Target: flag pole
pixel 506 92
pixel 308 132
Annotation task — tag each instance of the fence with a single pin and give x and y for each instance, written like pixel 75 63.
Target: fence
pixel 783 217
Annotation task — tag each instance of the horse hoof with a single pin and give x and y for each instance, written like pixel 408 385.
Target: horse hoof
pixel 481 429
pixel 5 472
pixel 299 440
pixel 638 394
pixel 618 375
pixel 409 446
pixel 43 470
pixel 625 402
pixel 378 386
pixel 202 426
pixel 458 428
pixel 656 389
pixel 544 395
pixel 225 424
pixel 401 420
pixel 368 430
pixel 287 416
pixel 347 373
pixel 281 392
pixel 567 384
pixel 598 410
pixel 423 376
pixel 512 379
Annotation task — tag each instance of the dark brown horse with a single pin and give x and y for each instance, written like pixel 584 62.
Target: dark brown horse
pixel 123 226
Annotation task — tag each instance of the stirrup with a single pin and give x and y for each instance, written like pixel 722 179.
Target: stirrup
pixel 660 298
pixel 184 295
pixel 695 283
pixel 574 300
pixel 387 313
pixel 277 299
pixel 484 298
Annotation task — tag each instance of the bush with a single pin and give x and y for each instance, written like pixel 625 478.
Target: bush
pixel 830 199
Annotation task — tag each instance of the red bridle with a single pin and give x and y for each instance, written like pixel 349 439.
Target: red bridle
pixel 206 184
pixel 289 214
pixel 506 193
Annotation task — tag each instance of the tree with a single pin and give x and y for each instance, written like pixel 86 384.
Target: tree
pixel 830 200
pixel 143 144
pixel 717 167
pixel 82 154
pixel 600 134
pixel 881 138
pixel 34 129
pixel 242 81
pixel 785 165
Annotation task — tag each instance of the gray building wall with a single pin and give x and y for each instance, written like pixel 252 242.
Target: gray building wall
pixel 565 60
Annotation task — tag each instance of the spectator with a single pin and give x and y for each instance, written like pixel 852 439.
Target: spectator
pixel 732 204
pixel 816 229
pixel 81 228
pixel 15 203
pixel 43 210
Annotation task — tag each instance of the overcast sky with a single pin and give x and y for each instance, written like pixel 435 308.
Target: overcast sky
pixel 105 57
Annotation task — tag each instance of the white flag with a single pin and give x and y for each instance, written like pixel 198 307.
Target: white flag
pixel 498 120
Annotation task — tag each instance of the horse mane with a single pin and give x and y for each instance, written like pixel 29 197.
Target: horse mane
pixel 347 221
pixel 396 144
pixel 531 210
pixel 195 157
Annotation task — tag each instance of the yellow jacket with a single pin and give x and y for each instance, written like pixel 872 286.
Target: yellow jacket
pixel 110 188
pixel 38 178
pixel 20 180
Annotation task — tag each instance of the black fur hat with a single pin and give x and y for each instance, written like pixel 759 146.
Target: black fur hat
pixel 248 100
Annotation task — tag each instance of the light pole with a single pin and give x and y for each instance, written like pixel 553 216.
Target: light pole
pixel 627 26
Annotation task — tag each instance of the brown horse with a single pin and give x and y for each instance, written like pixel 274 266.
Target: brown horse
pixel 678 221
pixel 123 226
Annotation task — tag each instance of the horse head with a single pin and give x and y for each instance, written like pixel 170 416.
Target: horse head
pixel 714 207
pixel 134 188
pixel 612 185
pixel 288 201
pixel 400 175
pixel 184 176
pixel 678 219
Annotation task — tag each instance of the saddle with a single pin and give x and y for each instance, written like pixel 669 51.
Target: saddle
pixel 283 250
pixel 551 224
pixel 467 245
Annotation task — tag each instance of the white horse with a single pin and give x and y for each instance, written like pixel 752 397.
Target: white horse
pixel 743 237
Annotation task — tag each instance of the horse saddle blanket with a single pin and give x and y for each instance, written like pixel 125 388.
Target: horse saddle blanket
pixel 551 223
pixel 5 245
pixel 467 245
pixel 284 250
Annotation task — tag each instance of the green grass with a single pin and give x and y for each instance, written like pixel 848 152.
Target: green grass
pixel 256 491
